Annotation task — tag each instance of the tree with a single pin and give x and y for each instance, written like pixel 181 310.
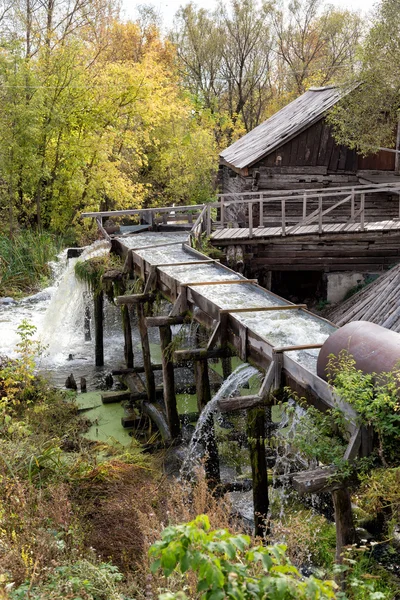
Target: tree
pixel 225 57
pixel 367 118
pixel 315 48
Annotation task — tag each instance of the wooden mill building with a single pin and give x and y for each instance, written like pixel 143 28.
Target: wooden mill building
pixel 295 149
pixel 293 154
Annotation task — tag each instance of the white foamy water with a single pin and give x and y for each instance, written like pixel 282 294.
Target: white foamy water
pixel 279 328
pixel 58 315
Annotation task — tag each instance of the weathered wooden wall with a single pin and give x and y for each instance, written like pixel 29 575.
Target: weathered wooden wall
pixel 312 159
pixel 367 252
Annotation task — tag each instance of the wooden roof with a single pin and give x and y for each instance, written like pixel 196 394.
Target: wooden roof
pixel 282 126
pixel 378 302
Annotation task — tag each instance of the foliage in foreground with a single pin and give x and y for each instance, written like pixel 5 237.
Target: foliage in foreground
pixel 226 566
pixel 77 517
pixel 375 397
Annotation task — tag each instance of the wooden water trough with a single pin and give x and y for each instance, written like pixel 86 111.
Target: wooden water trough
pixel 230 334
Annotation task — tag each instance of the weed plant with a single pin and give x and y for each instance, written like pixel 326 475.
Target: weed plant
pixel 24 261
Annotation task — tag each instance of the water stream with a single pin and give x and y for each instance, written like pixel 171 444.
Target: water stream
pixel 57 312
pixel 232 384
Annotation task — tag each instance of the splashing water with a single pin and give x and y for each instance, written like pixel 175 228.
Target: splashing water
pixel 235 381
pixel 62 326
pixel 286 456
pixel 57 312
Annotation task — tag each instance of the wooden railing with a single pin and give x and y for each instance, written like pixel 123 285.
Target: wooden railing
pixel 150 216
pixel 289 211
pixel 203 225
pixel 268 208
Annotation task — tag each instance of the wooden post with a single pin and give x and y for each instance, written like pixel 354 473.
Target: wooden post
pixel 250 219
pixel 98 299
pixel 203 392
pixel 268 280
pixel 169 382
pixel 397 156
pixel 86 324
pixel 261 217
pixel 283 217
pixel 352 209
pixel 144 338
pixel 209 224
pixel 221 212
pixel 226 367
pixel 320 214
pixel 304 205
pixel 362 215
pixel 128 346
pixel 345 530
pixel 256 441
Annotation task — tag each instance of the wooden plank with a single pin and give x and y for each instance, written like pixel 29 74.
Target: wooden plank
pixel 188 262
pixel 194 354
pixel 152 246
pixel 114 397
pixel 316 480
pixel 354 445
pixel 222 282
pixel 133 299
pixel 160 321
pixel 263 308
pixel 240 403
pixel 279 349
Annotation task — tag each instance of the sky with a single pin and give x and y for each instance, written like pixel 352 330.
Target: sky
pixel 168 8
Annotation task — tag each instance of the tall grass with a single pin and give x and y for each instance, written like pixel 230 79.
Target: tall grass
pixel 24 261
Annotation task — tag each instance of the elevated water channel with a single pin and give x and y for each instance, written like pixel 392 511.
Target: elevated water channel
pixel 278 328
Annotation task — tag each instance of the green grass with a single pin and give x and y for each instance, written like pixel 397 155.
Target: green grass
pixel 24 261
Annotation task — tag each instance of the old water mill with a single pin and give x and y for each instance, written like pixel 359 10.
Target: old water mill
pixel 236 319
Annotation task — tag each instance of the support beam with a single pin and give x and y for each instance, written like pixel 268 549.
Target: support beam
pixel 139 369
pixel 315 481
pixel 128 346
pixel 181 305
pixel 194 354
pixel 345 530
pixel 161 321
pixel 256 440
pixel 226 367
pixel 169 382
pixel 240 403
pixel 151 282
pixel 134 299
pixel 98 299
pixel 148 367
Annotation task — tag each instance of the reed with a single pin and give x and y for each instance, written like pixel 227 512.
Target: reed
pixel 24 261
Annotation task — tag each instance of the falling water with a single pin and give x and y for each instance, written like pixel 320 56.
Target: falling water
pixel 235 381
pixel 286 456
pixel 58 315
pixel 62 327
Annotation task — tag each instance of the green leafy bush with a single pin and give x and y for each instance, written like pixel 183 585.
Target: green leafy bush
pixel 374 396
pixel 227 566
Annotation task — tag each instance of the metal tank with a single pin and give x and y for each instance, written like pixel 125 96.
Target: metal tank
pixel 374 348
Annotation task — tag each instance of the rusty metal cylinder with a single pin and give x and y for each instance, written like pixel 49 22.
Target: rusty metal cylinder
pixel 374 348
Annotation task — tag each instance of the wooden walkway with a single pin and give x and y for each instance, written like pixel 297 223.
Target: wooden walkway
pixel 242 234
